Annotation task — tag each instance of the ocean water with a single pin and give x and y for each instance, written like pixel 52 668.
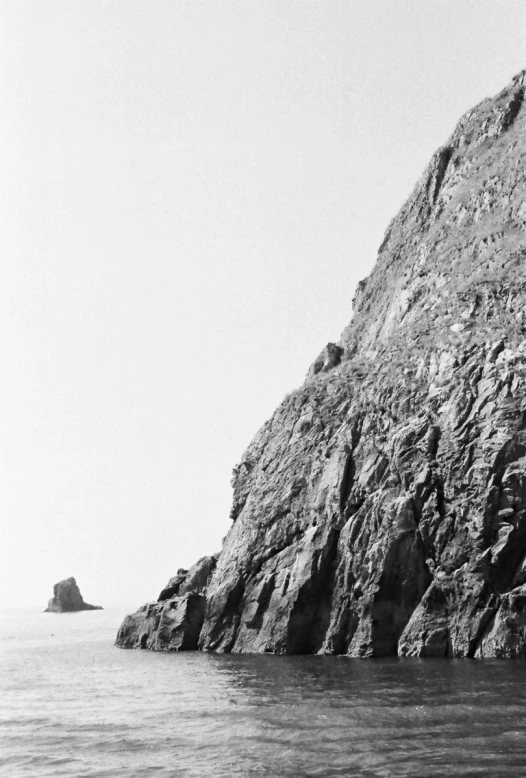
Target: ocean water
pixel 74 705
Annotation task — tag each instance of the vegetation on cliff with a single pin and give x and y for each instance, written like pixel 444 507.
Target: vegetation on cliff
pixel 382 509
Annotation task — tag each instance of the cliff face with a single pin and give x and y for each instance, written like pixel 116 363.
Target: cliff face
pixel 382 509
pixel 67 598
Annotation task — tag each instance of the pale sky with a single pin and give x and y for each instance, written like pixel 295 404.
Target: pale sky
pixel 191 191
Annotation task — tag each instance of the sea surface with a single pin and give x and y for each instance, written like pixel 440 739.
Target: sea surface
pixel 72 704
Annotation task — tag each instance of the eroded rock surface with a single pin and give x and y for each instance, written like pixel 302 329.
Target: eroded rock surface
pixel 382 509
pixel 174 622
pixel 67 599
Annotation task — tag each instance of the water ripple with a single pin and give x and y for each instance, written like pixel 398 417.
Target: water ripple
pixel 74 705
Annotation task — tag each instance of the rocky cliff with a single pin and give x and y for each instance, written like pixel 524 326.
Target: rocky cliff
pixel 382 509
pixel 67 598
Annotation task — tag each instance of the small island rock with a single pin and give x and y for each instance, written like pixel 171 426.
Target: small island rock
pixel 68 599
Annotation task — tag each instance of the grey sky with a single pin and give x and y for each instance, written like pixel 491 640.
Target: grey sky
pixel 191 191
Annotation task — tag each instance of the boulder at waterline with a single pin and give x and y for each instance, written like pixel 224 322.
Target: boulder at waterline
pixel 174 622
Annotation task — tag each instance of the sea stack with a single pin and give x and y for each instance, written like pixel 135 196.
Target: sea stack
pixel 68 599
pixel 381 511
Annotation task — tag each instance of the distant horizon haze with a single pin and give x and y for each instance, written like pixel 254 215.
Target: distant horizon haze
pixel 191 193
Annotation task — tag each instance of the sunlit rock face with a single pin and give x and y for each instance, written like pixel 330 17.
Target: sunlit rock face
pixel 67 598
pixel 382 509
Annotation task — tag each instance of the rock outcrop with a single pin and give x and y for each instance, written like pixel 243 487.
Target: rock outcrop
pixel 68 599
pixel 382 509
pixel 174 622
